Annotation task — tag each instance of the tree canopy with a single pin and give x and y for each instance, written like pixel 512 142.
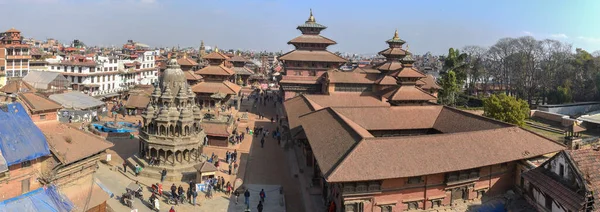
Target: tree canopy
pixel 506 108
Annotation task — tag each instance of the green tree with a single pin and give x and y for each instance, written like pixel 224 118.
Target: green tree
pixel 506 108
pixel 450 89
pixel 456 62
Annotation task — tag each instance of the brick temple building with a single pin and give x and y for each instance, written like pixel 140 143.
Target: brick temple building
pixel 389 147
pixel 305 65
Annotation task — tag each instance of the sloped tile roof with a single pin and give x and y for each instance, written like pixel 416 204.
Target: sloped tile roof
pixel 317 56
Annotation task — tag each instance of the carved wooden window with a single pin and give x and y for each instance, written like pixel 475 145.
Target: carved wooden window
pixel 374 186
pixel 412 205
pixel 386 208
pixel 436 203
pixel 361 187
pixel 349 188
pixel 415 180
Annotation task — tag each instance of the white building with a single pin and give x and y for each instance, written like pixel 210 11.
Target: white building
pixel 106 76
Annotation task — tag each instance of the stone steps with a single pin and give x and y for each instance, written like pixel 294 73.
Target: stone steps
pixel 183 172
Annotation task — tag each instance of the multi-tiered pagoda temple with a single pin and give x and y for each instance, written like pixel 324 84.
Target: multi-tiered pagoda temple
pixel 305 65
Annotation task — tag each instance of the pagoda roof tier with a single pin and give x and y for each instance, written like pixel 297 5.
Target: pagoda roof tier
pixel 408 93
pixel 386 80
pixel 219 70
pixel 429 83
pixel 242 71
pixel 336 76
pixel 366 70
pixel 237 58
pixel 213 87
pixel 185 61
pixel 396 39
pixel 393 52
pixel 408 72
pixel 311 80
pixel 311 25
pixel 216 56
pixel 312 56
pixel 317 39
pixel 389 66
pixel 190 75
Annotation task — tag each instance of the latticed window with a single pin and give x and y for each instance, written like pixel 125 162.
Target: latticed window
pixel 341 87
pixel 386 208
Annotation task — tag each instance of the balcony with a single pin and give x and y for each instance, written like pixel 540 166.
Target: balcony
pixel 18 57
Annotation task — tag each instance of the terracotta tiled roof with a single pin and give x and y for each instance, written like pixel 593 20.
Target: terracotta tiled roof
pixel 216 129
pixel 407 72
pixel 312 39
pixel 389 66
pixel 386 80
pixel 393 51
pixel 205 167
pixel 216 87
pixel 36 102
pixel 139 101
pixel 588 164
pixel 12 30
pixel 343 100
pixel 190 75
pixel 69 144
pixel 17 86
pixel 303 104
pixel 346 152
pixel 408 92
pixel 237 58
pixel 386 118
pixel 452 152
pixel 85 196
pixel 184 61
pixel 366 70
pixel 219 70
pixel 289 79
pixel 242 71
pixel 216 56
pixel 568 198
pixel 317 56
pixel 350 77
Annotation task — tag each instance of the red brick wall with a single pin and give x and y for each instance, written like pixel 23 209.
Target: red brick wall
pixel 495 180
pixel 11 186
pixel 50 116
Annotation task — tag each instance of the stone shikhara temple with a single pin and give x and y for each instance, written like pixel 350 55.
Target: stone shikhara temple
pixel 171 129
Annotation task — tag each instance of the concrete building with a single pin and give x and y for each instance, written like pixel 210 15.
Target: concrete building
pixel 14 54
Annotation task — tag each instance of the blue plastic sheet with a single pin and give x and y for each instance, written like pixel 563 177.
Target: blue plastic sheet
pixel 20 139
pixel 42 199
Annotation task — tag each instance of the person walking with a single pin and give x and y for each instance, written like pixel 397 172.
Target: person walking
pixel 247 197
pixel 262 142
pixel 235 168
pixel 137 170
pixel 236 193
pixel 124 167
pixel 262 195
pixel 260 206
pixel 194 196
pixel 172 209
pixel 163 174
pixel 230 166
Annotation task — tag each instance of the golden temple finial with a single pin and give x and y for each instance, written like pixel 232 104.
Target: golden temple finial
pixel 396 35
pixel 311 18
pixel 240 54
pixel 216 49
pixel 407 47
pixel 185 55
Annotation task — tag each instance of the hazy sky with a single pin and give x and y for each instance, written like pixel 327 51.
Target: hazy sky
pixel 357 26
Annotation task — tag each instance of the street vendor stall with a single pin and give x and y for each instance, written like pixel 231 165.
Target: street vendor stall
pixel 205 171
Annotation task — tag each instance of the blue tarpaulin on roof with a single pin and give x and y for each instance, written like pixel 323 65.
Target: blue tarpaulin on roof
pixel 20 139
pixel 42 199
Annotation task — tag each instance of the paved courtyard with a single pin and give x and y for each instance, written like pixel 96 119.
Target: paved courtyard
pixel 260 168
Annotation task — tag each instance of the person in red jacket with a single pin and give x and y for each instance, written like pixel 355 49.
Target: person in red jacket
pixel 172 209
